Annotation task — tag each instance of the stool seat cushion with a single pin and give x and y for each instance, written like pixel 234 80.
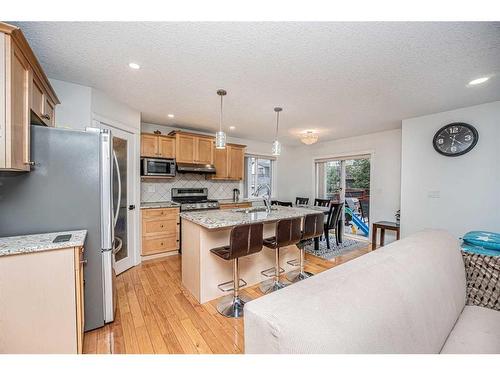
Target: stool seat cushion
pixel 270 242
pixel 222 252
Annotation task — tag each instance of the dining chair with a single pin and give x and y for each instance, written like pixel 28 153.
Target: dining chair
pixel 274 203
pixel 321 202
pixel 285 204
pixel 302 201
pixel 331 222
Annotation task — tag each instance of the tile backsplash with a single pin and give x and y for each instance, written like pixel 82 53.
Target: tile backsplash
pixel 158 191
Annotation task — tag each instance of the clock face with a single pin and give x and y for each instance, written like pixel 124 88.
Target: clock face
pixel 455 139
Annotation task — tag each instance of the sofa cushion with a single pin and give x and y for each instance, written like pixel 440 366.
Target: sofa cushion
pixel 477 331
pixel 402 298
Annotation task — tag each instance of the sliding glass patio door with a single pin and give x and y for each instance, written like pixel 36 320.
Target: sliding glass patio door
pixel 347 179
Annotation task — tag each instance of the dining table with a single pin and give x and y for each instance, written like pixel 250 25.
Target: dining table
pixel 325 210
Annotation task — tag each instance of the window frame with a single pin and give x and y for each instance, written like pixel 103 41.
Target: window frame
pixel 272 172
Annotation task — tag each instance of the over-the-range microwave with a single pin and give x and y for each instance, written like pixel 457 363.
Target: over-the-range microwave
pixel 157 167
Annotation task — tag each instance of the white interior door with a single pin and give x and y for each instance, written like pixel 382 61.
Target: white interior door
pixel 123 198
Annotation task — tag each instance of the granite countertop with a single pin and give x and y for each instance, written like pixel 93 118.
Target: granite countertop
pixel 229 201
pixel 215 219
pixel 32 243
pixel 166 204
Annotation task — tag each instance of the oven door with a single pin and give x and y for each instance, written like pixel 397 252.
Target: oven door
pixel 158 167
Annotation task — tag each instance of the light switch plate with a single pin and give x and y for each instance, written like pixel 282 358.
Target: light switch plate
pixel 434 194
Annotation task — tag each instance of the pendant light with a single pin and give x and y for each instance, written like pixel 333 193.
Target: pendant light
pixel 276 144
pixel 220 136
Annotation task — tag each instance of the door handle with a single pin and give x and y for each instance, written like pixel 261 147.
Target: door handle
pixel 131 207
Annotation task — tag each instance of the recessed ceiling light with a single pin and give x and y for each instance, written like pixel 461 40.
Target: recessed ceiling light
pixel 134 65
pixel 478 81
pixel 170 115
pixel 232 127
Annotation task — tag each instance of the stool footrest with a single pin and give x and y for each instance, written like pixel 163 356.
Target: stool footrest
pixel 270 272
pixel 229 285
pixel 294 262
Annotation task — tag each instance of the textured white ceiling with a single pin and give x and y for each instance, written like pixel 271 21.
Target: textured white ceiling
pixel 342 79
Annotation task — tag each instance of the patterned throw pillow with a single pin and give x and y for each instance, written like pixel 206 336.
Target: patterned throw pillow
pixel 487 240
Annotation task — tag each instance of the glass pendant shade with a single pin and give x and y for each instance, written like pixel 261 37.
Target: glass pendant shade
pixel 220 136
pixel 220 140
pixel 309 138
pixel 276 148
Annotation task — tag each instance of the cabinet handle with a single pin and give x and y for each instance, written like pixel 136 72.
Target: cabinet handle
pixel 161 244
pixel 31 163
pixel 161 226
pixel 84 261
pixel 45 116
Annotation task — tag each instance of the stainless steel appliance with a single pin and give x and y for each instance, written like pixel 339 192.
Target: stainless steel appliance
pixel 70 187
pixel 193 199
pixel 158 167
pixel 195 168
pixel 236 195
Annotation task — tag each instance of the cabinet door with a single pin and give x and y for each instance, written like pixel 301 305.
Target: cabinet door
pixel 166 146
pixel 149 145
pixel 80 302
pixel 48 112
pixel 37 96
pixel 220 162
pixel 185 148
pixel 204 150
pixel 18 149
pixel 236 157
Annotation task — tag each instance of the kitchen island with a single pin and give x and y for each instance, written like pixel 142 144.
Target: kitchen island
pixel 202 271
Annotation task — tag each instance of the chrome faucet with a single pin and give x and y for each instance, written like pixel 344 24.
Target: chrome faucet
pixel 266 197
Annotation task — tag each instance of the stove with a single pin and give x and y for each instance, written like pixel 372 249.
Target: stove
pixel 194 199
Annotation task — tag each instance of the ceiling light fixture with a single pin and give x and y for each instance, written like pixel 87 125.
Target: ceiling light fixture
pixel 309 137
pixel 170 115
pixel 478 81
pixel 220 136
pixel 276 145
pixel 134 66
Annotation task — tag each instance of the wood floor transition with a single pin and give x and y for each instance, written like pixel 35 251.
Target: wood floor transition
pixel 156 314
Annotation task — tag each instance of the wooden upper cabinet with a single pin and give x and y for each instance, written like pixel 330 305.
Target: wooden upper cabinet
pixel 185 148
pixel 166 146
pixel 236 161
pixel 204 150
pixel 26 97
pixel 149 145
pixel 229 163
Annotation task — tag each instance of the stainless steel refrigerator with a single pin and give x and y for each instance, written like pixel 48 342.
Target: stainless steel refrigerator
pixel 70 187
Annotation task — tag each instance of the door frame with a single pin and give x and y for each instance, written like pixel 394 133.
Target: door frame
pixel 347 156
pixel 97 120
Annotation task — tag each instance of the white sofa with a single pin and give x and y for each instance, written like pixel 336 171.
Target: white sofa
pixel 407 297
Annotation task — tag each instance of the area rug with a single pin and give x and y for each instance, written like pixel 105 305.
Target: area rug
pixel 347 245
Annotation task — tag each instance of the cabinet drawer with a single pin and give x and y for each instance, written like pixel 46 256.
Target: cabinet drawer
pixel 154 245
pixel 168 213
pixel 159 226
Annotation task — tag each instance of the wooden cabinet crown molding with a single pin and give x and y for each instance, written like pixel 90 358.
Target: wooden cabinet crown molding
pixel 18 37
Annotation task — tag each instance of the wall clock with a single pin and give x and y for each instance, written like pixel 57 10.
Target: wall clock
pixel 455 139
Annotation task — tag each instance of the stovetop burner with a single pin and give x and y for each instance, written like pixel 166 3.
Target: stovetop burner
pixel 194 199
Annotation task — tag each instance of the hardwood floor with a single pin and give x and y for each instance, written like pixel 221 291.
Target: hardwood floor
pixel 156 314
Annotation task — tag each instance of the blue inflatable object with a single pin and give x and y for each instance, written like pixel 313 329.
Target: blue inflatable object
pixel 486 240
pixel 479 250
pixel 357 221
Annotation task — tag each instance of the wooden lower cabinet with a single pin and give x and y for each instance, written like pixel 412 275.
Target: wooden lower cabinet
pixel 42 302
pixel 227 206
pixel 160 230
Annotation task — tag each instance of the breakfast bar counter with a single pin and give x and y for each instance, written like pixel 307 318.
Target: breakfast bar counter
pixel 202 271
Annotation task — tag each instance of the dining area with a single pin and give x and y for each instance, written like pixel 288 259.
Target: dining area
pixel 332 210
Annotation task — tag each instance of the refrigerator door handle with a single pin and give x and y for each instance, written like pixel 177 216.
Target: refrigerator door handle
pixel 107 228
pixel 119 199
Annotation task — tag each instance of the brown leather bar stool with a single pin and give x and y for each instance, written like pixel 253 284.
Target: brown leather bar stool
pixel 287 233
pixel 244 240
pixel 313 227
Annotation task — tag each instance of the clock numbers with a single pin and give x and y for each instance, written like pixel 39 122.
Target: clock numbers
pixel 468 138
pixel 454 130
pixel 440 141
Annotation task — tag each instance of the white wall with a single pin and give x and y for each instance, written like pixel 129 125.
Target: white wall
pixel 74 112
pixel 468 185
pixel 105 106
pixel 297 175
